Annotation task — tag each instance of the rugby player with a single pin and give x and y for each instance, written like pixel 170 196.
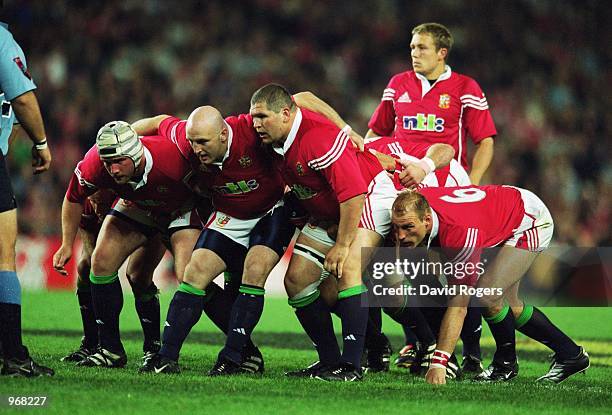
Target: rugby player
pixel 464 220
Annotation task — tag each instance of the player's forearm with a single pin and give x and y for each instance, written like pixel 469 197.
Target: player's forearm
pixel 28 113
pixel 71 216
pixel 452 322
pixel 370 134
pixel 440 154
pixel 350 214
pixel 482 160
pixel 310 101
pixel 148 126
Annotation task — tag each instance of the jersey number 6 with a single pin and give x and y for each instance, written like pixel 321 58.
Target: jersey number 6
pixel 465 196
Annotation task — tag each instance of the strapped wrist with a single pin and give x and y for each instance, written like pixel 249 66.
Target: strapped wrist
pixel 41 145
pixel 426 164
pixel 440 359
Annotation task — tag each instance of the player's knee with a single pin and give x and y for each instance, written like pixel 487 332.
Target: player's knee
pixel 255 273
pixel 293 285
pixel 492 307
pixel 139 281
pixel 83 268
pixel 101 261
pixel 492 302
pixel 193 274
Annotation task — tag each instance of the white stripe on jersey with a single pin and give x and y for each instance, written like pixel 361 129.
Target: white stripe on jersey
pixel 478 107
pixel 333 154
pixel 468 247
pixel 82 181
pixel 474 98
pixel 396 148
pixel 474 102
pixel 388 94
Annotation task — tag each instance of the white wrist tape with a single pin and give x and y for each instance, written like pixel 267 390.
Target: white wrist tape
pixel 41 145
pixel 426 164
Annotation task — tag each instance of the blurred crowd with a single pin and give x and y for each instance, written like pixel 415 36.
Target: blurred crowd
pixel 542 63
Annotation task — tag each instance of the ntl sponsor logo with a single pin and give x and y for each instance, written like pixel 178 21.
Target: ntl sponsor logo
pixel 423 122
pixel 242 186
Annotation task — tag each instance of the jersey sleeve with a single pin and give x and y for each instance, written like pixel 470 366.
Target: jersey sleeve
pixel 337 163
pixel 82 182
pixel 463 248
pixel 15 79
pixel 174 129
pixel 478 119
pixel 382 121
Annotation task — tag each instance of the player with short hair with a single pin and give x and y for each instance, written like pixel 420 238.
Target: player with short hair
pixel 315 161
pixel 464 220
pixel 433 104
pixel 149 175
pixel 18 103
pixel 249 229
pixel 139 273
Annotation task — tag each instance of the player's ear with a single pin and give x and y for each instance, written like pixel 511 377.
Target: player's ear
pixel 443 53
pixel 428 221
pixel 286 114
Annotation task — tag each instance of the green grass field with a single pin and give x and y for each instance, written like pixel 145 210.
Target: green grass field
pixel 52 328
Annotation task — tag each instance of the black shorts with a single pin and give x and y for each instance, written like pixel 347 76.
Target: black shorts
pixel 7 197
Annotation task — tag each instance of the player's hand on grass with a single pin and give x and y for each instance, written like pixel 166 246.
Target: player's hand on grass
pixel 412 174
pixel 61 258
pixel 334 260
pixel 436 376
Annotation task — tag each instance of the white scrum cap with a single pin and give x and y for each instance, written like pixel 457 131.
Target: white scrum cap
pixel 118 139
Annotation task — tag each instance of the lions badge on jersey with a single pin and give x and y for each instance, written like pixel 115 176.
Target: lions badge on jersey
pixel 444 102
pixel 245 161
pixel 299 169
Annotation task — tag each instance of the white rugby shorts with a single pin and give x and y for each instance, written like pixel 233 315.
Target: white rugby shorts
pixel 238 230
pixel 536 230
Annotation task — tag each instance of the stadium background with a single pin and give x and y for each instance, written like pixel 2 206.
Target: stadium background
pixel 543 64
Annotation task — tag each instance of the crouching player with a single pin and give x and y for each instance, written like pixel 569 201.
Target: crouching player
pixel 464 220
pixel 139 272
pixel 149 175
pixel 249 229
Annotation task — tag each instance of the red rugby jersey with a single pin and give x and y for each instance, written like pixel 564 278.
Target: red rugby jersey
pixel 446 112
pixel 162 189
pixel 321 166
pixel 245 185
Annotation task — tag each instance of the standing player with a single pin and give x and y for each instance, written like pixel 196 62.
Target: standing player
pixel 433 104
pixel 149 175
pixel 18 101
pixel 139 273
pixel 464 220
pixel 315 162
pixel 249 226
